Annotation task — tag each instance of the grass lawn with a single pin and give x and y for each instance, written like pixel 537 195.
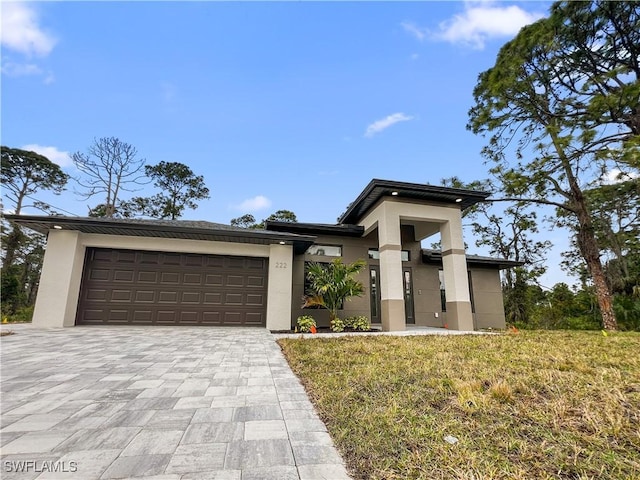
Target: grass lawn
pixel 532 405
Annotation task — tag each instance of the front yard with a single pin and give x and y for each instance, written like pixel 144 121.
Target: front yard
pixel 531 405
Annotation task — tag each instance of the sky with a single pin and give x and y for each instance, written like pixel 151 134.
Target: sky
pixel 279 105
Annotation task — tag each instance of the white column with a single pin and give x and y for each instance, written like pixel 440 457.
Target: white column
pixel 456 282
pixel 59 289
pixel 280 288
pixel 391 288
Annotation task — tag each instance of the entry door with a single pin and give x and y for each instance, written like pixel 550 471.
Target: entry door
pixel 374 294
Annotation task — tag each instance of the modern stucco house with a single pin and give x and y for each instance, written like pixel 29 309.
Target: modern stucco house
pixel 153 272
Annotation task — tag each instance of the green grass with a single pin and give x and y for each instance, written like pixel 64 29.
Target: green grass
pixel 533 405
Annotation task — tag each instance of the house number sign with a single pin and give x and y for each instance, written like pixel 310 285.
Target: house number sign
pixel 281 264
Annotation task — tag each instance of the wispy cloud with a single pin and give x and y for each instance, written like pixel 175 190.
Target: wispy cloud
pixel 481 21
pixel 386 122
pixel 12 69
pixel 52 153
pixel 413 30
pixel 615 175
pixel 21 31
pixel 254 204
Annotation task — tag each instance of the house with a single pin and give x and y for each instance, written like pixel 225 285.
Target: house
pixel 101 271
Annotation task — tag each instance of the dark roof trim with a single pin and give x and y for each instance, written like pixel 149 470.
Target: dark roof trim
pixel 377 189
pixel 182 229
pixel 315 228
pixel 435 257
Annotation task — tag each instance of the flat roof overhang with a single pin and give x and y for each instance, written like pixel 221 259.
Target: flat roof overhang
pixel 182 229
pixel 435 257
pixel 377 189
pixel 315 228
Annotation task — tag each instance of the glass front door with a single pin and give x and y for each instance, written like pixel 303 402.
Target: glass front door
pixel 374 294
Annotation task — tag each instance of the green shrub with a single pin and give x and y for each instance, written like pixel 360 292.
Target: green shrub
pixel 21 315
pixel 338 325
pixel 359 323
pixel 304 323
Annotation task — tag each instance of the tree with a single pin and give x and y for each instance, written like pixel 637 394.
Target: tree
pixel 179 188
pixel 245 221
pixel 563 98
pixel 332 284
pixel 23 174
pixel 282 216
pixel 249 221
pixel 108 168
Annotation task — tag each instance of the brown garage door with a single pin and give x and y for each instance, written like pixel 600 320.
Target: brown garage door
pixel 131 287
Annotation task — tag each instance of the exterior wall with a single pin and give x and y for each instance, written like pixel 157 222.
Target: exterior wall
pixel 57 301
pixel 487 296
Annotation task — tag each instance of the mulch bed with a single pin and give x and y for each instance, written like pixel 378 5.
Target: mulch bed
pixel 328 330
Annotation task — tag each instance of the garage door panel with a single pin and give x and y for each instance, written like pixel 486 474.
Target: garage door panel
pixel 155 288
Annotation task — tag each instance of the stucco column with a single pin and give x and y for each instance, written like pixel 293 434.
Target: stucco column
pixel 456 282
pixel 391 289
pixel 59 289
pixel 280 287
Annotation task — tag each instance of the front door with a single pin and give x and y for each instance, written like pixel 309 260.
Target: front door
pixel 374 294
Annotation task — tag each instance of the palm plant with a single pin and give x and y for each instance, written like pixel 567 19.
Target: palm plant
pixel 332 284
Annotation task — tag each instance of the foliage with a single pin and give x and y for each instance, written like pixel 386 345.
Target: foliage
pixel 537 405
pixel 358 323
pixel 249 221
pixel 304 323
pixel 332 284
pixel 179 189
pixel 109 167
pixel 24 173
pixel 562 100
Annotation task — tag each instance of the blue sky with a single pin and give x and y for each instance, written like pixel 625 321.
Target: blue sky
pixel 280 105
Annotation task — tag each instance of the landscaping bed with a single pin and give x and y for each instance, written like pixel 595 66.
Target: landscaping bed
pixel 547 405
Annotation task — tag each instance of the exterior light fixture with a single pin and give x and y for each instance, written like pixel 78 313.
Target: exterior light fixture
pixel 283 243
pixel 57 227
pixel 458 200
pixel 395 194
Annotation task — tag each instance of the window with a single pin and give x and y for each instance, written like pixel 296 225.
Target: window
pixel 325 250
pixel 443 296
pixel 374 254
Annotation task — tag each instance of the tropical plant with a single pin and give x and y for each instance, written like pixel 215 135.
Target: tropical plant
pixel 305 323
pixel 332 284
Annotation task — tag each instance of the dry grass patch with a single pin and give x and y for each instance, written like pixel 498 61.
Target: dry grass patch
pixel 538 405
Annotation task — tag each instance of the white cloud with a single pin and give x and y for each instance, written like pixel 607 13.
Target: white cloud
pixel 616 175
pixel 384 123
pixel 254 204
pixel 52 153
pixel 481 21
pixel 20 69
pixel 21 31
pixel 413 30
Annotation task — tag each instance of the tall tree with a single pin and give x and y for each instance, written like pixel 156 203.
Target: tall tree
pixel 179 189
pixel 109 167
pixel 23 174
pixel 249 221
pixel 563 99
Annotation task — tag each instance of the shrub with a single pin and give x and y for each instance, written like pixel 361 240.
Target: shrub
pixel 359 323
pixel 338 325
pixel 304 323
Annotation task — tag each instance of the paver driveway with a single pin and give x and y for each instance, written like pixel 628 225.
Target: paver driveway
pixel 157 402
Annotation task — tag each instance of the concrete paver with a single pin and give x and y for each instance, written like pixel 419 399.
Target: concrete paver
pixel 159 403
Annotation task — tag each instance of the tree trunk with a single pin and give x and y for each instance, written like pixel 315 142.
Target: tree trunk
pixel 591 254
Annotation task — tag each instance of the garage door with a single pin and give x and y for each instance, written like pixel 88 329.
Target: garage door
pixel 131 287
